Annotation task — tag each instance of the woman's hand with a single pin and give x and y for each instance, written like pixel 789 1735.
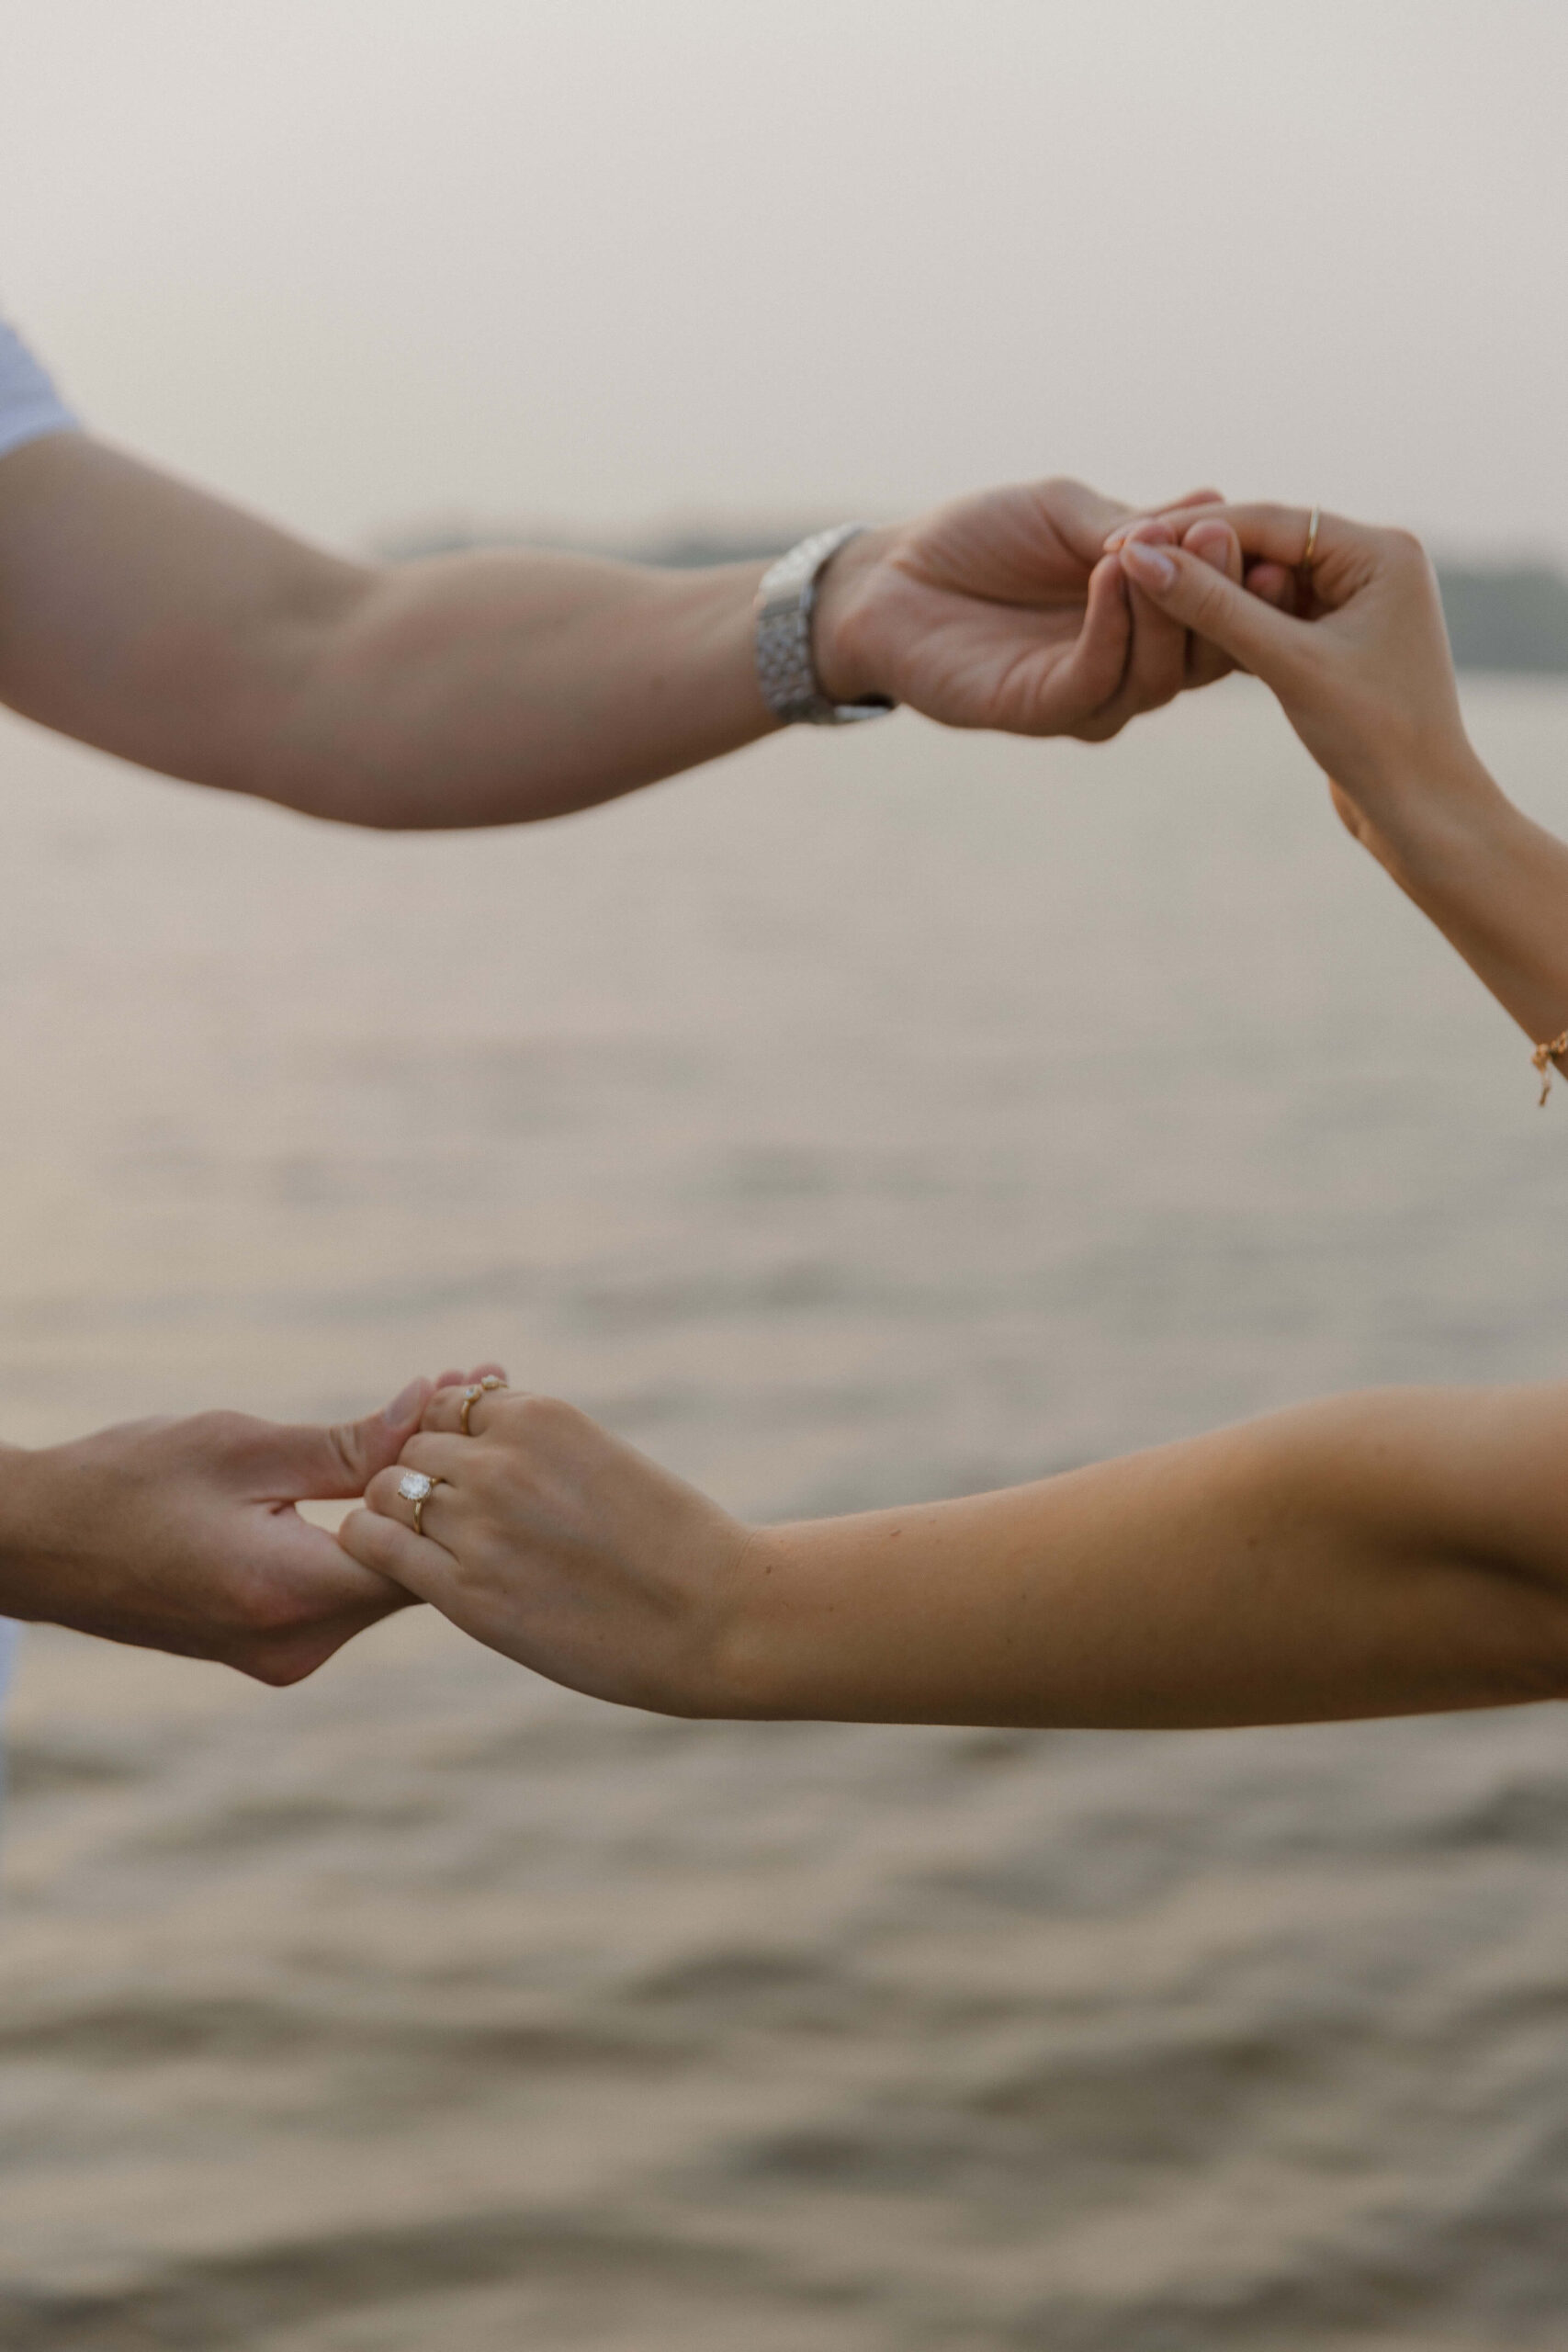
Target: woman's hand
pixel 552 1542
pixel 1366 679
pixel 1362 667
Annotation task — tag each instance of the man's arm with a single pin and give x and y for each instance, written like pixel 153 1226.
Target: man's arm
pixel 150 618
pixel 141 615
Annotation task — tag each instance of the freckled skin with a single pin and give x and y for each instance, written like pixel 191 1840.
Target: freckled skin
pixel 1398 1552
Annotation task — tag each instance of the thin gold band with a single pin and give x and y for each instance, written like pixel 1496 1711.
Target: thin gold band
pixel 1310 548
pixel 418 1506
pixel 471 1395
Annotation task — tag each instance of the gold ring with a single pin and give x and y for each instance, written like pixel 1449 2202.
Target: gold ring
pixel 471 1395
pixel 1310 548
pixel 416 1489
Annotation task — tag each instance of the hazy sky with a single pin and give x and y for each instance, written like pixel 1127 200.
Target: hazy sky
pixel 366 261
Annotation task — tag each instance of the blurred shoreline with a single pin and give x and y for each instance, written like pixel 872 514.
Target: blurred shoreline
pixel 1506 618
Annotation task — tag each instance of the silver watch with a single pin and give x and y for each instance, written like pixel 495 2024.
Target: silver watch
pixel 785 670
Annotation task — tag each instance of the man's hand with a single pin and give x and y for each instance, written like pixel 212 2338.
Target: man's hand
pixel 1004 611
pixel 182 1535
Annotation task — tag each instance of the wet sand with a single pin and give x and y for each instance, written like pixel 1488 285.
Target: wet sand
pixel 868 1118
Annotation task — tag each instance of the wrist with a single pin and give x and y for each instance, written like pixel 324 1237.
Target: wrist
pixel 1425 822
pixel 788 1643
pixel 845 660
pixel 708 651
pixel 744 1673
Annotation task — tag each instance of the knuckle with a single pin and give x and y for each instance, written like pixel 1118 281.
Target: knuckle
pixel 361 1530
pixel 1207 597
pixel 548 1420
pixel 379 1494
pixel 343 1437
pixel 280 1667
pixel 220 1432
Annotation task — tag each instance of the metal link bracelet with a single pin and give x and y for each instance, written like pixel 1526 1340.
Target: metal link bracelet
pixel 786 670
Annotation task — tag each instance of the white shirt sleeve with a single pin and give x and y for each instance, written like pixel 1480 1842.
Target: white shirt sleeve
pixel 29 405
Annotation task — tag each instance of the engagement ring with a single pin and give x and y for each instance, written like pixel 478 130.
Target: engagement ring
pixel 416 1489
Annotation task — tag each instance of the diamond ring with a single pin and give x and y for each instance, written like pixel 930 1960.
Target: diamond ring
pixel 471 1395
pixel 416 1489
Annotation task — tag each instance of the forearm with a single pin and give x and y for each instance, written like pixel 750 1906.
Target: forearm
pixel 143 616
pixel 1389 1554
pixel 1494 883
pixel 490 689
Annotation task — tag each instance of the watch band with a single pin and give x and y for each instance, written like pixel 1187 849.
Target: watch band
pixel 785 670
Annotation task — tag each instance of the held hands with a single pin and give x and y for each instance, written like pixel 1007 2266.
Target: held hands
pixel 1045 609
pixel 1361 662
pixel 1391 1553
pixel 183 1536
pixel 1042 610
pixel 1006 610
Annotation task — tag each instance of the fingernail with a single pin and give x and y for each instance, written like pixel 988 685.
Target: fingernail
pixel 1148 564
pixel 402 1406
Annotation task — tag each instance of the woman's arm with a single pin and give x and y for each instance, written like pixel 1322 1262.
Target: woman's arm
pixel 1367 681
pixel 1393 1552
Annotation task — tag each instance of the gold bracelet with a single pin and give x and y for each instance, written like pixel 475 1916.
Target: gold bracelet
pixel 1544 1057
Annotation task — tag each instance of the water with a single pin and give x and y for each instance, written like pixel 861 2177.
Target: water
pixel 869 1118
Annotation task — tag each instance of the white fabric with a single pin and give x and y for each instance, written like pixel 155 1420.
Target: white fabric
pixel 29 405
